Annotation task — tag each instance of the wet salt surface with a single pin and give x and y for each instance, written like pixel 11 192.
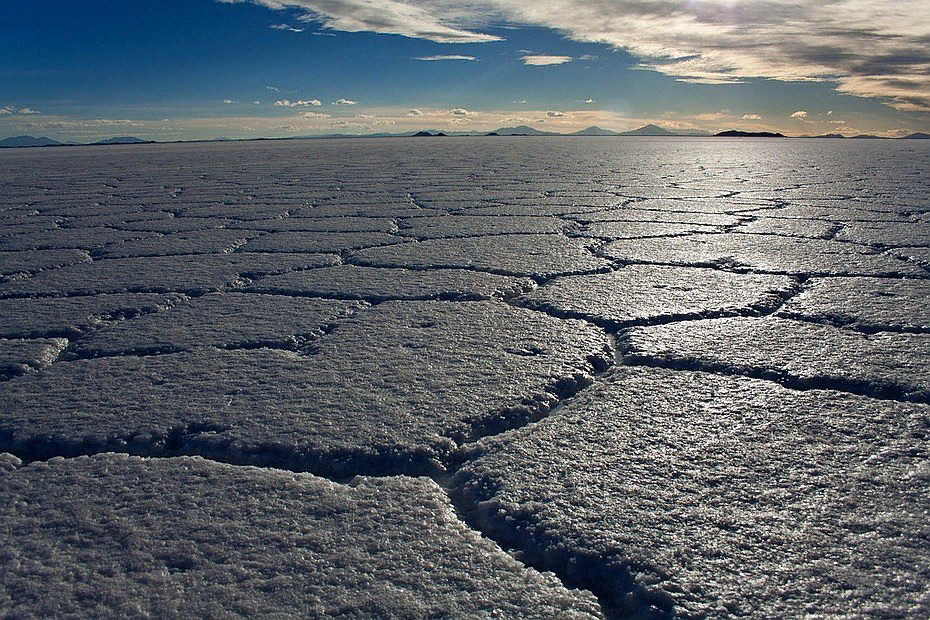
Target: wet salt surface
pixel 685 376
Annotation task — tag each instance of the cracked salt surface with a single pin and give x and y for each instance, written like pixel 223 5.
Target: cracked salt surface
pixel 113 535
pixel 664 491
pixel 695 495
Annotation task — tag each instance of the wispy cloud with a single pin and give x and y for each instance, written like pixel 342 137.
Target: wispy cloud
pixel 344 102
pixel 286 27
pixel 298 104
pixel 459 112
pixel 545 60
pixel 868 48
pixel 556 114
pixel 752 117
pixel 446 57
pixel 314 115
pixel 799 114
pixel 273 88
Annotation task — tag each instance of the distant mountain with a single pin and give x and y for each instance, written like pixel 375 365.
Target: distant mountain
pixel 827 135
pixel 523 130
pixel 124 140
pixel 648 130
pixel 866 136
pixel 918 136
pixel 735 133
pixel 595 131
pixel 426 134
pixel 21 141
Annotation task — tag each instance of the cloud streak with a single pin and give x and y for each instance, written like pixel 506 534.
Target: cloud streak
pixel 868 48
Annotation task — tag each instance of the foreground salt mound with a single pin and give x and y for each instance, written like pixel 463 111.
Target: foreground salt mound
pixel 195 274
pixel 393 389
pixel 808 355
pixel 19 356
pixel 640 294
pixel 222 320
pixel 762 253
pixel 376 284
pixel 520 255
pixel 113 535
pixel 697 495
pixel 864 303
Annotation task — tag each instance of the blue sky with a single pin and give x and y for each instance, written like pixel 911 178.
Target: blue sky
pixel 204 68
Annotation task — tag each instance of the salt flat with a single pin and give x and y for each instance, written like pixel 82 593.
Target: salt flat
pixel 548 377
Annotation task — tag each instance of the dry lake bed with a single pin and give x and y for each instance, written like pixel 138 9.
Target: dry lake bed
pixel 466 378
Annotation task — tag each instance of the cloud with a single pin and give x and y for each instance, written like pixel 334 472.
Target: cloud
pixel 285 27
pixel 589 101
pixel 867 48
pixel 274 88
pixel 414 112
pixel 459 111
pixel 556 114
pixel 799 114
pixel 314 115
pixel 829 112
pixel 227 101
pixel 587 57
pixel 751 117
pixel 27 111
pixel 6 110
pixel 256 102
pixel 446 57
pixel 344 102
pixel 545 60
pixel 299 104
pixel 290 128
pixel 436 22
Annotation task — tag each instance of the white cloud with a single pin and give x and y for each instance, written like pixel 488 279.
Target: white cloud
pixel 314 115
pixel 868 48
pixel 290 128
pixel 446 57
pixel 459 111
pixel 799 114
pixel 752 117
pixel 829 112
pixel 256 102
pixel 274 88
pixel 556 114
pixel 545 60
pixel 344 102
pixel 414 112
pixel 285 27
pixel 521 102
pixel 299 104
pixel 27 111
pixel 589 101
pixel 6 110
pixel 227 101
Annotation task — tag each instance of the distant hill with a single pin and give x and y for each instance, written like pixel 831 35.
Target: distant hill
pixel 124 140
pixel 21 141
pixel 827 135
pixel 866 136
pixel 918 136
pixel 735 133
pixel 648 130
pixel 523 130
pixel 595 131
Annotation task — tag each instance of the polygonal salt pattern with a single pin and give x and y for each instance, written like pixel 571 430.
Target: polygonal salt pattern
pixel 888 234
pixel 69 238
pixel 71 317
pixel 195 274
pixel 38 260
pixel 171 225
pixel 113 535
pixel 870 304
pixel 474 226
pixel 643 294
pixel 520 255
pixel 762 253
pixel 222 320
pixel 325 242
pixel 815 229
pixel 638 230
pixel 392 389
pixel 629 214
pixel 20 356
pixel 377 284
pixel 695 495
pixel 320 224
pixel 217 241
pixel 802 354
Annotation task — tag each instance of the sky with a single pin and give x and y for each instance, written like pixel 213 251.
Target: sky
pixel 204 69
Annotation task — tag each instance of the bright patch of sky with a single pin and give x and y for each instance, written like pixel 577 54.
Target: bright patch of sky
pixel 207 68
